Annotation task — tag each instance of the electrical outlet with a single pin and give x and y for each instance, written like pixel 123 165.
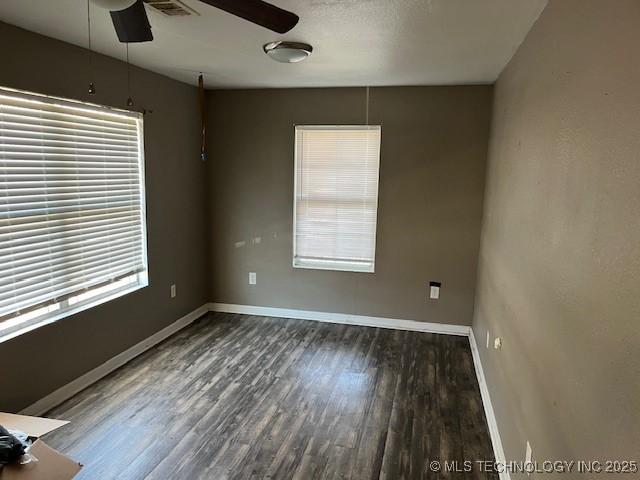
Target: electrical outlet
pixel 488 338
pixel 252 278
pixel 528 458
pixel 173 291
pixel 497 343
pixel 434 290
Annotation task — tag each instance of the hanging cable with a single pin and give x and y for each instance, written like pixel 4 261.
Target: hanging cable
pixel 129 99
pixel 92 87
pixel 367 107
pixel 203 117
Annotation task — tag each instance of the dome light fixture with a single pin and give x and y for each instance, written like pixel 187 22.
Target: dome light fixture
pixel 114 5
pixel 288 52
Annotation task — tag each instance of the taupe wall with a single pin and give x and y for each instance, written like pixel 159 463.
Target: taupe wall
pixel 37 363
pixel 434 143
pixel 559 273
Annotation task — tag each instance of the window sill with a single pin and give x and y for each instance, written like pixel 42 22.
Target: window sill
pixel 315 264
pixel 30 325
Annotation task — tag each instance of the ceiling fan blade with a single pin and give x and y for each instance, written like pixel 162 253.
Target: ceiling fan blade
pixel 132 24
pixel 258 12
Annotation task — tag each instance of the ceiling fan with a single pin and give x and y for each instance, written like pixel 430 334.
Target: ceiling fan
pixel 132 25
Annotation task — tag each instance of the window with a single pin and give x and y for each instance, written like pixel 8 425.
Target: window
pixel 336 197
pixel 72 214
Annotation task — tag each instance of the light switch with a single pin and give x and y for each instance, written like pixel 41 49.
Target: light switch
pixel 434 290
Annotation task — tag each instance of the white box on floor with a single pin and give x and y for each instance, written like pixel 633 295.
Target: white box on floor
pixel 51 464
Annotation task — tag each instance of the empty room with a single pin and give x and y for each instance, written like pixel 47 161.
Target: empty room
pixel 319 239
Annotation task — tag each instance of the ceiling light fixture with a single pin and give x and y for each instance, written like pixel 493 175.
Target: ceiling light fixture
pixel 288 52
pixel 114 5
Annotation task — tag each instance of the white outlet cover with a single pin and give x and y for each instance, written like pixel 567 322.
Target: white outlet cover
pixel 434 293
pixel 488 338
pixel 173 291
pixel 252 278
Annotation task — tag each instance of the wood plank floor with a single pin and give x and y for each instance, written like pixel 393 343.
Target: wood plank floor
pixel 244 397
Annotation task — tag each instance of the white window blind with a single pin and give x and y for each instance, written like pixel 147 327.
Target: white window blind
pixel 336 197
pixel 72 226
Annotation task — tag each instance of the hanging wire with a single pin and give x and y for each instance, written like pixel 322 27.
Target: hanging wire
pixel 92 87
pixel 367 107
pixel 129 99
pixel 89 21
pixel 128 71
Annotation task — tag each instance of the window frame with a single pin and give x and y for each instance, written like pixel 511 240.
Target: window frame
pixel 332 265
pixel 80 302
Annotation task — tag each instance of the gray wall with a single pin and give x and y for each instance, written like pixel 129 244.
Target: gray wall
pixel 51 356
pixel 434 143
pixel 559 272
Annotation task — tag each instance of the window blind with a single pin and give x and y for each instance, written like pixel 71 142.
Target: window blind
pixel 71 201
pixel 336 197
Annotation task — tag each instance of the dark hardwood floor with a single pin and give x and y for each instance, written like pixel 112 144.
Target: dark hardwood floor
pixel 244 397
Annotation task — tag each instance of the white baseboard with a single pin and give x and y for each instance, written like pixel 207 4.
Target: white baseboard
pixel 70 389
pixel 344 318
pixel 492 422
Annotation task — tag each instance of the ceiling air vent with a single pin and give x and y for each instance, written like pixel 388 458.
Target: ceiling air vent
pixel 171 8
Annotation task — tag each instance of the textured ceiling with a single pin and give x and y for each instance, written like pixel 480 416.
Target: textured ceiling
pixel 356 42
